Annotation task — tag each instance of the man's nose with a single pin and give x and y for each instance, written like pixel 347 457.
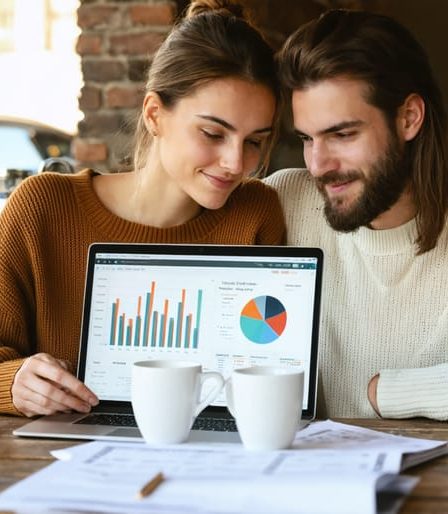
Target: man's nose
pixel 320 160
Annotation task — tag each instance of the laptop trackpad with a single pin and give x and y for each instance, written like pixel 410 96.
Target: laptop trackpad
pixel 125 432
pixel 211 436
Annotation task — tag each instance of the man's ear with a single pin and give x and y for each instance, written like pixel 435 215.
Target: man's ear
pixel 410 116
pixel 152 110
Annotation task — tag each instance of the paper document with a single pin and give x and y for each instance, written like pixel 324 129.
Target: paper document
pixel 338 436
pixel 332 468
pixel 106 477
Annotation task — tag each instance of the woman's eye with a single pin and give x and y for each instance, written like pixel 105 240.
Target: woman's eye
pixel 212 135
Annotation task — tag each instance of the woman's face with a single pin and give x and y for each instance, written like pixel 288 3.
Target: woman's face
pixel 212 139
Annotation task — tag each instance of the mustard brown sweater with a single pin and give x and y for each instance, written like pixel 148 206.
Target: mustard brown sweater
pixel 45 230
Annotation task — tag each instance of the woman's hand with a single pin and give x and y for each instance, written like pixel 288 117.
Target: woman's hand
pixel 43 385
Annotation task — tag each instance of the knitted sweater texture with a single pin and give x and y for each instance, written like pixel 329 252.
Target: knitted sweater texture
pixel 384 310
pixel 45 230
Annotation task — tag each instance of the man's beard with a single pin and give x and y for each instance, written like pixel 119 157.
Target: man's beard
pixel 383 186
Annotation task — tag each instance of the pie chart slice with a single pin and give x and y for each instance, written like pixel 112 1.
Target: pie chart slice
pixel 263 319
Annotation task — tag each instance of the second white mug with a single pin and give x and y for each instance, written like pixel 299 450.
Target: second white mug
pixel 166 398
pixel 266 403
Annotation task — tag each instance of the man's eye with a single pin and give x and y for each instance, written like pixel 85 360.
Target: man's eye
pixel 304 138
pixel 344 135
pixel 254 142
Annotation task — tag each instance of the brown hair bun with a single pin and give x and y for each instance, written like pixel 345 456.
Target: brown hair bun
pixel 227 7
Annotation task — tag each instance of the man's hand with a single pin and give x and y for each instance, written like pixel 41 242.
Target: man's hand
pixel 371 392
pixel 43 385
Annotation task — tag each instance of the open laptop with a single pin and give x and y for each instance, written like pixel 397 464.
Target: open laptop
pixel 226 307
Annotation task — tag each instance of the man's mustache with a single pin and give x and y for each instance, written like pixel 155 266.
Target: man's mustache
pixel 337 177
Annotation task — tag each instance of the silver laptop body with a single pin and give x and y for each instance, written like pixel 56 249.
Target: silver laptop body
pixel 226 307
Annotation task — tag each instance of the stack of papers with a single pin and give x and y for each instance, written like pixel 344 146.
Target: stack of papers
pixel 332 468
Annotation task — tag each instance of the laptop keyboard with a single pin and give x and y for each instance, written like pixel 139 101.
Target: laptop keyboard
pixel 215 424
pixel 115 420
pixel 128 420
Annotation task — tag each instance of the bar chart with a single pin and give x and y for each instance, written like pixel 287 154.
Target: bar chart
pixel 157 321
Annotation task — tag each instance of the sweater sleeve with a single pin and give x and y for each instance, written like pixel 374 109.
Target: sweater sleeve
pixel 408 393
pixel 17 298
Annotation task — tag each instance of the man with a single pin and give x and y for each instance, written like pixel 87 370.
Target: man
pixel 375 198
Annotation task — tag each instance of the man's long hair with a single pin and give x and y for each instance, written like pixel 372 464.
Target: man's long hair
pixel 379 51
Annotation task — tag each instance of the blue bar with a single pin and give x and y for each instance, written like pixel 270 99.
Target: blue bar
pixel 179 325
pixel 120 331
pixel 138 322
pixel 112 325
pixel 128 336
pixel 195 338
pixel 187 332
pixel 198 320
pixel 155 316
pixel 162 321
pixel 170 332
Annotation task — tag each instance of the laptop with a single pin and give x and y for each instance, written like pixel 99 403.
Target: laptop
pixel 226 307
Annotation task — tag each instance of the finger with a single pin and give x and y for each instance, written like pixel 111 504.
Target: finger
pixel 34 404
pixel 51 394
pixel 31 403
pixel 64 364
pixel 50 369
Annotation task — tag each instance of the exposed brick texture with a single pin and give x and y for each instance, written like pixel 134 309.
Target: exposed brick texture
pixel 159 14
pixel 89 44
pixel 90 98
pixel 127 97
pixel 97 16
pixel 89 152
pixel 142 43
pixel 118 38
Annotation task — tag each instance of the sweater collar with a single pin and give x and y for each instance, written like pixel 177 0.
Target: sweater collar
pixel 386 242
pixel 121 230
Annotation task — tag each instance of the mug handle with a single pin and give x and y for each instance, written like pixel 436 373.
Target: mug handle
pixel 218 378
pixel 229 396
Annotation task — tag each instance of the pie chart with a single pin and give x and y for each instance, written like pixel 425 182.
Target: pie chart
pixel 263 319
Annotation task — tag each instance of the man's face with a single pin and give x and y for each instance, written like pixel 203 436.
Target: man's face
pixel 353 155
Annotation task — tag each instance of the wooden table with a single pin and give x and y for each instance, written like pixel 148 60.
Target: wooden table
pixel 19 457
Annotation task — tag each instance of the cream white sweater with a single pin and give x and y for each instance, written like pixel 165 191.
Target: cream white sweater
pixel 384 310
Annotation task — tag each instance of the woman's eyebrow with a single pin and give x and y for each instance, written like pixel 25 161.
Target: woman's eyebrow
pixel 227 125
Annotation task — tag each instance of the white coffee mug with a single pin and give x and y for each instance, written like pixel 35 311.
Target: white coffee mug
pixel 166 398
pixel 266 403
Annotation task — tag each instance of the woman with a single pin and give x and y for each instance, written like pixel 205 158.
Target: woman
pixel 208 121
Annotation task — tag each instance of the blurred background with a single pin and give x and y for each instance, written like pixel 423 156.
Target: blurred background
pixel 72 72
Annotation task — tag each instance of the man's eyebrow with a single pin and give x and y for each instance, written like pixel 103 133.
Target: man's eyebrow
pixel 334 128
pixel 228 126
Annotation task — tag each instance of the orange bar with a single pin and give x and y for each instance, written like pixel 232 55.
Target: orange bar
pixel 181 316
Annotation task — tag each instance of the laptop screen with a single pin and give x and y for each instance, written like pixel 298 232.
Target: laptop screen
pixel 225 307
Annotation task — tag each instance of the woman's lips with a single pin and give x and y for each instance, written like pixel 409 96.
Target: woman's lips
pixel 219 182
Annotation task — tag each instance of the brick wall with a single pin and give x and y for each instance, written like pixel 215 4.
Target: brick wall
pixel 116 43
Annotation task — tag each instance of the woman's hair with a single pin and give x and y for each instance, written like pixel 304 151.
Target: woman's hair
pixel 213 41
pixel 379 51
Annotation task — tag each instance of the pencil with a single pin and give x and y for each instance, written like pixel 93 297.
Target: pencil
pixel 151 486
